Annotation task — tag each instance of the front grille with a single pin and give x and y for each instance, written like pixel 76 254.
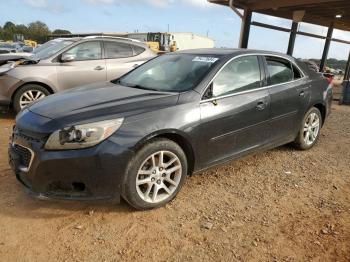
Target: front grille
pixel 24 154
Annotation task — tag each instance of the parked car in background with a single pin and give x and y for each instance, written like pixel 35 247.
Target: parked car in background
pixel 139 136
pixel 6 48
pixel 64 64
pixel 311 64
pixel 52 47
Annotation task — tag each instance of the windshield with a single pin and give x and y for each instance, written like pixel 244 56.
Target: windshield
pixel 50 48
pixel 170 73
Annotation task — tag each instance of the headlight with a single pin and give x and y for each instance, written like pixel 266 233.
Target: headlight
pixel 82 136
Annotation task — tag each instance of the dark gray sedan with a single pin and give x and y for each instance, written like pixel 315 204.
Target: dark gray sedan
pixel 139 136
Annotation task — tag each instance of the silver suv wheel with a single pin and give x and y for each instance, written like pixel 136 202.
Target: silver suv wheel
pixel 30 96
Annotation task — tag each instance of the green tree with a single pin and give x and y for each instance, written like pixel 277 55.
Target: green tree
pixel 61 32
pixel 38 31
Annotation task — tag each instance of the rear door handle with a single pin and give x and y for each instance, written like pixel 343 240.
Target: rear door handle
pixel 302 94
pixel 98 68
pixel 260 106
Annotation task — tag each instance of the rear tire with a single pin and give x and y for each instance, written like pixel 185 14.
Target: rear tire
pixel 28 94
pixel 310 130
pixel 155 175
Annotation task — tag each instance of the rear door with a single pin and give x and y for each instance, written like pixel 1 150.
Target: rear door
pixel 234 111
pixel 121 57
pixel 87 67
pixel 288 91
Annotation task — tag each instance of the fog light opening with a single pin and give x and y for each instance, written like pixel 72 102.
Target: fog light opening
pixel 79 187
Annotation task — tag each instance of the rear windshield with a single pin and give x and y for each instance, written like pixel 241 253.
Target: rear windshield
pixel 170 73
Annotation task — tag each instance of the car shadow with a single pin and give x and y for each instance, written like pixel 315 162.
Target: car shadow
pixel 7 115
pixel 25 206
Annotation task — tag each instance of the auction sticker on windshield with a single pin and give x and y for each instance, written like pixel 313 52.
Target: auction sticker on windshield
pixel 206 59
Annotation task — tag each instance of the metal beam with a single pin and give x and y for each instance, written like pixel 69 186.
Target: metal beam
pixel 326 47
pixel 273 27
pixel 311 35
pixel 275 4
pixel 245 29
pixel 292 36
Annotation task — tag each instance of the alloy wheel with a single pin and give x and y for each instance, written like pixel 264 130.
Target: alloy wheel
pixel 30 96
pixel 158 177
pixel 311 128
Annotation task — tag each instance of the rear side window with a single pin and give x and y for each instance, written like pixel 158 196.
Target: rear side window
pixel 138 49
pixel 241 74
pixel 117 50
pixel 280 70
pixel 296 72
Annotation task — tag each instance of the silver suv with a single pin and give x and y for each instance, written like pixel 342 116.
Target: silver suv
pixel 69 63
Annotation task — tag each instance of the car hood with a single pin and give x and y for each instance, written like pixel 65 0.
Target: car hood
pixel 101 101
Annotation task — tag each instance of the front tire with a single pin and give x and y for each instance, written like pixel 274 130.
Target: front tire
pixel 28 94
pixel 310 130
pixel 155 175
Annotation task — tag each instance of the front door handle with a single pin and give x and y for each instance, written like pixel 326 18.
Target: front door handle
pixel 98 68
pixel 260 106
pixel 302 94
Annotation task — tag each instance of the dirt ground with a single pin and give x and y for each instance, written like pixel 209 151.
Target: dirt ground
pixel 281 205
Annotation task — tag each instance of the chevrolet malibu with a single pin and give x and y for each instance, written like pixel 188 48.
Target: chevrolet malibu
pixel 138 137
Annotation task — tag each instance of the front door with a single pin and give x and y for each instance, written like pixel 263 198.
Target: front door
pixel 88 66
pixel 234 111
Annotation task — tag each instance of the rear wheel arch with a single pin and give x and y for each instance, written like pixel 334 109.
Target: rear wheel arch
pixel 323 110
pixel 176 137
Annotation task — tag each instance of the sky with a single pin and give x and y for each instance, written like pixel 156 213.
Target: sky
pixel 197 16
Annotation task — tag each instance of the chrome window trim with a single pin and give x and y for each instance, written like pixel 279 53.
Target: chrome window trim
pixel 255 89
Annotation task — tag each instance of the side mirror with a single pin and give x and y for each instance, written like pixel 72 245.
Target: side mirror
pixel 67 58
pixel 209 92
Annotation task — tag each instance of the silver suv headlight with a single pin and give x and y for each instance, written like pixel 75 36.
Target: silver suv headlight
pixel 82 136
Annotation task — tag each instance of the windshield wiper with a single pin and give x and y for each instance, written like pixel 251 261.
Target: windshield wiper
pixel 143 87
pixel 118 82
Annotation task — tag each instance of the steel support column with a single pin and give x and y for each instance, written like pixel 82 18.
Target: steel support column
pixel 292 36
pixel 326 47
pixel 245 29
pixel 347 69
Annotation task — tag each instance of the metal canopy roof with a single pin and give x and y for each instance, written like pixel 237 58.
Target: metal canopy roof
pixel 322 12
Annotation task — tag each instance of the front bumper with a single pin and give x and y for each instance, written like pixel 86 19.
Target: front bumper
pixel 8 86
pixel 86 174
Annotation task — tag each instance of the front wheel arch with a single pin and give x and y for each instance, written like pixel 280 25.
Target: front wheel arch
pixel 176 137
pixel 48 88
pixel 20 88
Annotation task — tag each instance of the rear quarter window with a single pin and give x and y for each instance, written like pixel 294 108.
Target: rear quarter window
pixel 138 49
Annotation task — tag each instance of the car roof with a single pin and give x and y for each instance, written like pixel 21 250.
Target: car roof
pixel 230 52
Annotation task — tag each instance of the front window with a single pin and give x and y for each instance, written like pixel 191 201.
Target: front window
pixel 86 51
pixel 170 73
pixel 241 74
